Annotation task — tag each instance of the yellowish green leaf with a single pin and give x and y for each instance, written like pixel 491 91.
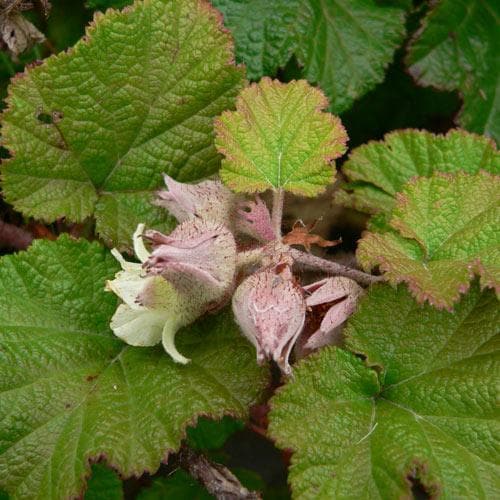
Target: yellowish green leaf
pixel 279 137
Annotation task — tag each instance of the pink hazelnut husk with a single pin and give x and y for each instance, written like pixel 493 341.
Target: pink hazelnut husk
pixel 208 199
pixel 270 309
pixel 343 293
pixel 198 258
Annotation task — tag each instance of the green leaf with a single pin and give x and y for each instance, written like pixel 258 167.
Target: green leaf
pixel 430 415
pixel 278 137
pixel 135 98
pixel 264 32
pixel 345 46
pixel 104 484
pixel 411 106
pixel 210 435
pixel 71 392
pixel 444 230
pixel 378 170
pixel 118 214
pixel 457 48
pixel 178 486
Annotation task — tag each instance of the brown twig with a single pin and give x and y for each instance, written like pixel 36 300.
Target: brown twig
pixel 14 237
pixel 313 262
pixel 217 479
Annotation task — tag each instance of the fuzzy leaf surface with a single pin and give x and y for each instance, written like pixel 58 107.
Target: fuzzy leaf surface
pixel 431 414
pixel 444 229
pixel 378 170
pixel 264 32
pixel 457 47
pixel 134 99
pixel 279 137
pixel 70 391
pixel 345 46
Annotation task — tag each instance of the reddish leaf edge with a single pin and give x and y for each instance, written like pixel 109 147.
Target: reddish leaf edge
pixel 99 19
pixel 474 267
pixel 103 458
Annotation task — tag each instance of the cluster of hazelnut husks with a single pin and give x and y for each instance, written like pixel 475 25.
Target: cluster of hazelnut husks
pixel 199 266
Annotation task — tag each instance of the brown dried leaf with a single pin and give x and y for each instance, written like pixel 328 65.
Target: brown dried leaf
pixel 301 235
pixel 16 32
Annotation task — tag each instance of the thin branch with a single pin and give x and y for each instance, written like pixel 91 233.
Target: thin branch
pixel 313 262
pixel 14 237
pixel 217 479
pixel 277 214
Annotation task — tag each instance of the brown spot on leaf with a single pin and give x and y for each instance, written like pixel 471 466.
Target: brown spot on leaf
pixel 49 118
pixel 422 488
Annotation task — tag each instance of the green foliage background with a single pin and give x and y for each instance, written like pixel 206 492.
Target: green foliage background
pixel 384 65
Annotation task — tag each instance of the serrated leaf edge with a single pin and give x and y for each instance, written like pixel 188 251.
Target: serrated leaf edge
pixel 414 71
pixel 90 459
pixel 474 267
pixel 385 141
pixel 99 18
pixel 340 141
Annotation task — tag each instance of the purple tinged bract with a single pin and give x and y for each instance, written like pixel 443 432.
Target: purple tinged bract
pixel 208 200
pixel 270 309
pixel 253 218
pixel 198 258
pixel 344 294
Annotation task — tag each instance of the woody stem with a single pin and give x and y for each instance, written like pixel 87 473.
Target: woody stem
pixel 313 262
pixel 277 214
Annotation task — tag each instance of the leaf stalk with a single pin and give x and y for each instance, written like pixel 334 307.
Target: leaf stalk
pixel 277 213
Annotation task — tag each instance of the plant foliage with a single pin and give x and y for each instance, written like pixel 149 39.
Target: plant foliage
pixel 457 48
pixel 264 32
pixel 279 138
pixel 427 412
pixel 72 392
pixel 134 99
pixel 383 351
pixel 378 170
pixel 444 230
pixel 345 46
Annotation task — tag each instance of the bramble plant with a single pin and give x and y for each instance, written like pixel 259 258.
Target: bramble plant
pixel 182 286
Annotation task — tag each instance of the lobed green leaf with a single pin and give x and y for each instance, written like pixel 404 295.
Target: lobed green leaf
pixel 378 170
pixel 430 416
pixel 135 98
pixel 279 138
pixel 443 230
pixel 71 392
